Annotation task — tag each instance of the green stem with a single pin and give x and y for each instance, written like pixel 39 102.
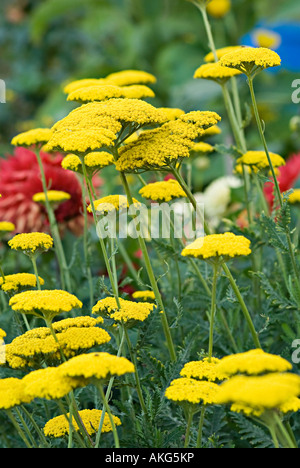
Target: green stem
pixel 152 278
pixel 188 428
pixel 137 379
pixel 284 432
pixel 38 430
pixel 102 244
pixel 243 305
pixel 33 260
pixel 200 430
pixel 213 310
pixel 277 188
pixel 18 428
pixel 110 385
pixel 65 274
pixel 85 244
pixel 107 409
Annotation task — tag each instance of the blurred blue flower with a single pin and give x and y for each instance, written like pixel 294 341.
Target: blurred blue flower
pixel 282 37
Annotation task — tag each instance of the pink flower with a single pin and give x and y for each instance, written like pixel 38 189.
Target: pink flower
pixel 287 178
pixel 20 179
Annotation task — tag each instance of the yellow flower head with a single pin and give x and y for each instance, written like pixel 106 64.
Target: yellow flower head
pixel 186 390
pixel 93 161
pixel 157 148
pixel 206 369
pixel 260 392
pixel 144 295
pixel 59 426
pixel 129 313
pixel 248 59
pixel 215 72
pixel 253 362
pixel 111 203
pixel 96 125
pixel 49 383
pixel 12 393
pixel 294 197
pixel 130 77
pixel 38 136
pixel 202 147
pixel 172 113
pixel 220 52
pixel 18 282
pixel 96 366
pixel 45 303
pixel 258 160
pixel 6 226
pixel 163 191
pixel 219 8
pixel 213 246
pixel 54 196
pixel 84 83
pixel 2 334
pixel 32 243
pixel 104 92
pixel 74 336
pixel 290 406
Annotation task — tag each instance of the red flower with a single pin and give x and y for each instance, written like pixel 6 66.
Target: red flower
pixel 287 178
pixel 20 179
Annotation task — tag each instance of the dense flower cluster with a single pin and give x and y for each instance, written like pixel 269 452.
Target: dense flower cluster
pixel 129 312
pixel 156 149
pixel 18 282
pixel 246 58
pixel 32 243
pixel 218 245
pixel 59 426
pixel 163 191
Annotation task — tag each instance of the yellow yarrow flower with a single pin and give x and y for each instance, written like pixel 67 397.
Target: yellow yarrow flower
pixel 2 334
pixel 54 196
pixel 215 72
pixel 214 246
pixel 93 161
pixel 104 92
pixel 19 281
pixel 31 243
pixel 39 346
pixel 166 191
pixel 219 8
pixel 59 426
pixel 131 77
pixel 253 362
pixel 290 406
pixel 257 160
pixel 260 392
pixel 50 383
pixel 6 226
pixel 248 59
pixel 38 136
pixel 96 125
pixel 144 295
pixel 96 366
pixel 83 83
pixel 12 393
pixel 185 390
pixel 206 369
pixel 202 147
pixel 157 148
pixel 221 52
pixel 74 335
pixel 294 197
pixel 48 303
pixel 111 203
pixel 129 313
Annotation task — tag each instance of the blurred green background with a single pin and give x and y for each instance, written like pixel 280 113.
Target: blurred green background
pixel 47 43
